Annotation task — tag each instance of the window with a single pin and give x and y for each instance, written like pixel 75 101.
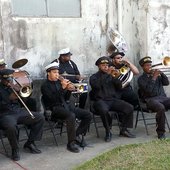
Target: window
pixel 46 8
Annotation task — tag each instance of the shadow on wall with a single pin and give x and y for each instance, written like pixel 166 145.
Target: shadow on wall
pixel 37 93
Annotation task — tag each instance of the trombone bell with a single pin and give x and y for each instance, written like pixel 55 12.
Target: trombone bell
pixel 165 62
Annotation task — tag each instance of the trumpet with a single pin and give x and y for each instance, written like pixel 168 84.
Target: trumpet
pixel 79 87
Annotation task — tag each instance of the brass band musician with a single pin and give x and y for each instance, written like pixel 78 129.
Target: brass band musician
pixel 71 71
pixel 118 62
pixel 54 90
pixel 151 84
pixel 11 114
pixel 104 94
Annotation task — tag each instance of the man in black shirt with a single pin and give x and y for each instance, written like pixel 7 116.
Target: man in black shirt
pixel 54 90
pixel 118 63
pixel 11 114
pixel 68 67
pixel 104 94
pixel 151 84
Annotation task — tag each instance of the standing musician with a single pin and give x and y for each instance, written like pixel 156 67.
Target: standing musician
pixel 12 114
pixel 151 84
pixel 118 62
pixel 103 93
pixel 66 65
pixel 54 91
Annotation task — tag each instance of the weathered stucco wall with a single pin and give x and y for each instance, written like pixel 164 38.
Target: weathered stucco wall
pixel 39 39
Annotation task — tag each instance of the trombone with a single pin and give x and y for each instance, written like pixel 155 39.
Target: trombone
pixel 165 62
pixel 22 102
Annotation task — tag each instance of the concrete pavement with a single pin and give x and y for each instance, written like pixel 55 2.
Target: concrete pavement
pixel 58 158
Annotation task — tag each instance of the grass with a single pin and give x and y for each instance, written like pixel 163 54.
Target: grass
pixel 154 155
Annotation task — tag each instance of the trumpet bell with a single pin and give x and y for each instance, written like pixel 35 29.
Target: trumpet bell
pixel 123 70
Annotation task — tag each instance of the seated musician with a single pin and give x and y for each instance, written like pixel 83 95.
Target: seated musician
pixel 151 84
pixel 66 65
pixel 105 97
pixel 126 93
pixel 53 94
pixel 12 114
pixel 29 101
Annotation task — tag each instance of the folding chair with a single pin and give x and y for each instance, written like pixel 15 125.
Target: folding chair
pixel 97 120
pixel 147 120
pixel 53 125
pixel 3 135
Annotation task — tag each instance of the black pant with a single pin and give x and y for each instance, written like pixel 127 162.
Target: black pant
pixel 128 95
pixel 9 121
pixel 69 115
pixel 159 105
pixel 124 110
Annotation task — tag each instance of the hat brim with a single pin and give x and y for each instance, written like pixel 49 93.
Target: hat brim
pixel 4 64
pixel 52 68
pixel 66 54
pixel 117 53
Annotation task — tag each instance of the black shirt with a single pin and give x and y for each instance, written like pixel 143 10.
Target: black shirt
pixel 104 86
pixel 151 88
pixel 52 92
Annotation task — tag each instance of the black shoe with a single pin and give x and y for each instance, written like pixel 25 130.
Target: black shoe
pixel 80 141
pixel 108 137
pixel 126 133
pixel 161 136
pixel 15 155
pixel 72 147
pixel 31 148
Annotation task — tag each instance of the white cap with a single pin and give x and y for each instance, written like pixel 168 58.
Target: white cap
pixel 64 51
pixel 2 62
pixel 52 66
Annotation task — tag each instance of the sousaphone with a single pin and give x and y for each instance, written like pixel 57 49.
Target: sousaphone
pixel 120 45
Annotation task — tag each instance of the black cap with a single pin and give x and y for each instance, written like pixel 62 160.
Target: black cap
pixel 144 60
pixel 102 60
pixel 6 73
pixel 116 53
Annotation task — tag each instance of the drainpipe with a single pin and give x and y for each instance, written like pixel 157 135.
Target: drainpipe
pixel 119 5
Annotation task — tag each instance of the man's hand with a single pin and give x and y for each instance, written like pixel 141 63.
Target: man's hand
pixel 68 85
pixel 113 71
pixel 156 73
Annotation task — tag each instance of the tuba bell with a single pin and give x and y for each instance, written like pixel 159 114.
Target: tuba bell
pixel 119 45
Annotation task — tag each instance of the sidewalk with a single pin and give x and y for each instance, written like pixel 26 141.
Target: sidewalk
pixel 58 158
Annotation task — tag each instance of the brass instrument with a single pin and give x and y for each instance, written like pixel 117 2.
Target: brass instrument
pixel 23 102
pixel 21 77
pixel 120 45
pixel 165 62
pixel 79 87
pixel 23 80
